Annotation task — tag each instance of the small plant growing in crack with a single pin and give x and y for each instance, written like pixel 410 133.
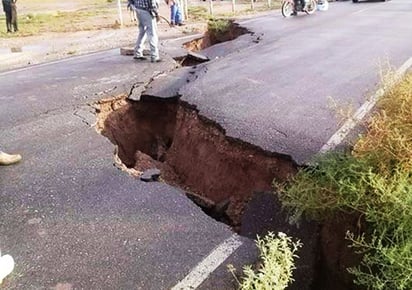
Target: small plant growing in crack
pixel 276 265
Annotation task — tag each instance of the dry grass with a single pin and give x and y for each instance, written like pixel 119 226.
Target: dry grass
pixel 36 17
pixel 388 141
pixel 374 182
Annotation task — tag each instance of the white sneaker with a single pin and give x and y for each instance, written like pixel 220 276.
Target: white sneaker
pixel 6 266
pixel 8 159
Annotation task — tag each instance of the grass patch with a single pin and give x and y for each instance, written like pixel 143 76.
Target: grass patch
pixel 218 26
pixel 277 256
pixel 389 140
pixel 375 183
pixel 223 10
pixel 62 21
pixel 198 13
pixel 51 3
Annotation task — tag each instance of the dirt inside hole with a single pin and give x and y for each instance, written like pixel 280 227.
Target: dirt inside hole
pixel 218 173
pixel 138 128
pixel 215 35
pixel 212 36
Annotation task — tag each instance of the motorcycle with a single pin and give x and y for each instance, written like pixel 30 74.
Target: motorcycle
pixel 289 9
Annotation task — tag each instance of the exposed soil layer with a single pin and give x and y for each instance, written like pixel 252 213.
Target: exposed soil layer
pixel 220 173
pixel 225 170
pixel 335 254
pixel 212 37
pixel 145 127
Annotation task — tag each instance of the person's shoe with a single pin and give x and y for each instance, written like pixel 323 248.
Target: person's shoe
pixel 8 159
pixel 181 24
pixel 6 266
pixel 156 60
pixel 139 57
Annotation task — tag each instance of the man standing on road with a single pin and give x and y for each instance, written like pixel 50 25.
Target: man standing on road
pixel 9 8
pixel 147 14
pixel 8 159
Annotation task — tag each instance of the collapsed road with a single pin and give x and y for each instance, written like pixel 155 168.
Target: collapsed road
pixel 220 131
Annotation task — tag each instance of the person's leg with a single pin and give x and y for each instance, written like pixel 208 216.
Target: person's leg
pixel 295 8
pixel 138 50
pixel 14 16
pixel 178 17
pixel 173 10
pixel 152 36
pixel 8 20
pixel 8 159
pixel 182 15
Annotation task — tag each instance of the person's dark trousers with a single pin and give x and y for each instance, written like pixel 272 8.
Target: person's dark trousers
pixel 14 16
pixel 7 11
pixel 301 3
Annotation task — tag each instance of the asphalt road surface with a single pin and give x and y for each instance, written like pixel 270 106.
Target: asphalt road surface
pixel 71 219
pixel 282 88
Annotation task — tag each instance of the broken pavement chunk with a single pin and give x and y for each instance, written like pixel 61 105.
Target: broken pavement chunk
pixel 197 56
pixel 150 175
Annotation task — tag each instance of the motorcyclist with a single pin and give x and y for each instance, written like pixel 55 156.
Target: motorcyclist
pixel 302 3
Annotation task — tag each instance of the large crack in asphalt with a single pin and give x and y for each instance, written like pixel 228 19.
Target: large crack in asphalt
pixel 158 136
pixel 219 173
pixel 230 179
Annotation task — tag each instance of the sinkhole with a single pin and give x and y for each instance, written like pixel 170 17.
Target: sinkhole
pixel 228 178
pixel 219 31
pixel 219 173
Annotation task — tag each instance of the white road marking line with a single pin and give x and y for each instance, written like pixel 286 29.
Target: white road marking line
pixel 343 131
pixel 209 264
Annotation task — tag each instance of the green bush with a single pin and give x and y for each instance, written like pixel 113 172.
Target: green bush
pixel 386 262
pixel 338 182
pixel 373 182
pixel 277 256
pixel 218 25
pixel 343 183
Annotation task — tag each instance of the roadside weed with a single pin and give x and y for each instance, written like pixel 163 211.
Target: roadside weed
pixel 218 25
pixel 277 256
pixel 373 182
pixel 388 142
